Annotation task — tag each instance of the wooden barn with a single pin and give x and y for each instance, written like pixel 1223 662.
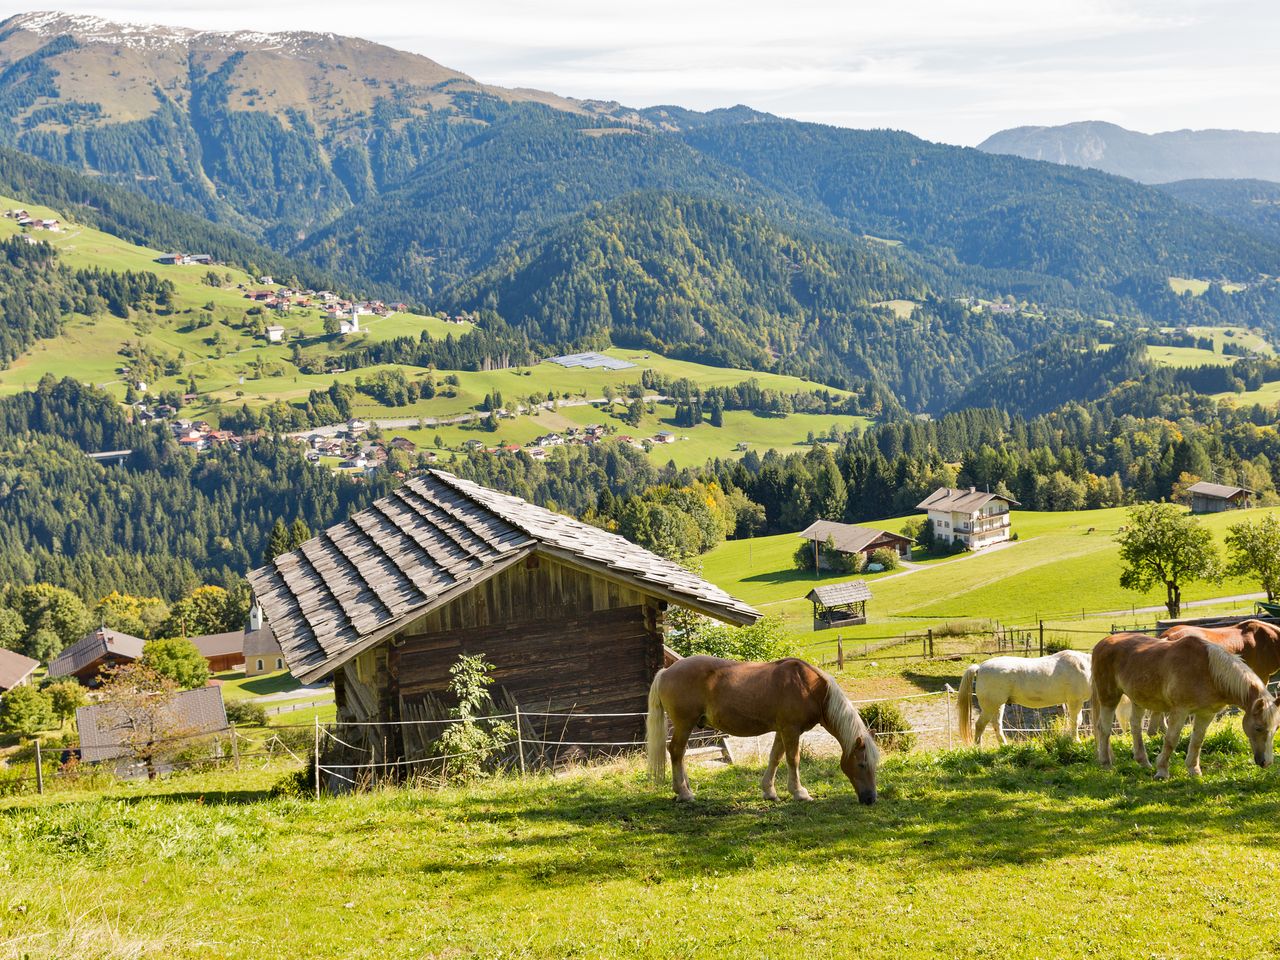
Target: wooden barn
pixel 98 650
pixel 571 616
pixel 1216 497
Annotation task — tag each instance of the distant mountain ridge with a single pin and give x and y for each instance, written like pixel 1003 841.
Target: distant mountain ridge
pixel 1146 157
pixel 729 235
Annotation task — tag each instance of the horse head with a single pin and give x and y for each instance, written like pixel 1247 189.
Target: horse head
pixel 859 762
pixel 1259 723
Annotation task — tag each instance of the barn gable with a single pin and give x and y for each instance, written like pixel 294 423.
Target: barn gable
pixel 430 543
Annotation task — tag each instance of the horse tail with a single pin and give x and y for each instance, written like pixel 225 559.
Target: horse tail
pixel 656 733
pixel 964 703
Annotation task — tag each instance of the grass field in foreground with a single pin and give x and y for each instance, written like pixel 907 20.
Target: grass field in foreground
pixel 1063 563
pixel 1025 851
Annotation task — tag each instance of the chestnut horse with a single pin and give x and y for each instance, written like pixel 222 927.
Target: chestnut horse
pixel 1254 642
pixel 749 699
pixel 1178 677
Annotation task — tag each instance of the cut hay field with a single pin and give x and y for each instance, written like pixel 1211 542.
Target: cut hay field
pixel 1062 564
pixel 1026 851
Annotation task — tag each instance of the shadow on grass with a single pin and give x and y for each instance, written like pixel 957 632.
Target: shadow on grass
pixel 965 810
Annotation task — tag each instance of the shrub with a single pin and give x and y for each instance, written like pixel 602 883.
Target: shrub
pixel 766 639
pixel 890 726
pixel 888 559
pixel 246 711
pixel 474 739
pixel 25 711
pixel 1056 645
pixel 178 659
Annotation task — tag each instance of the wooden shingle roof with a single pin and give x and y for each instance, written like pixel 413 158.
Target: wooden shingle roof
pixel 1217 491
pixel 846 537
pixel 835 594
pixel 94 646
pixel 14 668
pixel 427 543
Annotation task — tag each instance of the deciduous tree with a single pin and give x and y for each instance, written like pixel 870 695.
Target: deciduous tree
pixel 1163 544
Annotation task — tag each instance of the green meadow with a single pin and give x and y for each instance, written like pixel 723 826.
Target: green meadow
pixel 1029 850
pixel 1063 568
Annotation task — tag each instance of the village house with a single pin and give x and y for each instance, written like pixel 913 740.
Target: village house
pixel 971 517
pixel 403 443
pixel 15 670
pixel 98 650
pixel 104 731
pixel 569 615
pixel 356 426
pixel 275 333
pixel 1216 497
pixel 849 539
pixel 664 436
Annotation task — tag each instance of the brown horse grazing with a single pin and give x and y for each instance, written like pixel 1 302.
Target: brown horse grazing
pixel 1254 642
pixel 748 699
pixel 1177 678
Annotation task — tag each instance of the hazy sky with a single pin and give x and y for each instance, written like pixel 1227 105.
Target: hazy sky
pixel 953 70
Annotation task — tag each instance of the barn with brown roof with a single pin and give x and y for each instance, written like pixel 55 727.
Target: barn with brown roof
pixel 570 616
pixel 1209 497
pixel 100 649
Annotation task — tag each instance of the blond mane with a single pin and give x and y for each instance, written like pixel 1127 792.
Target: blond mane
pixel 845 723
pixel 1232 676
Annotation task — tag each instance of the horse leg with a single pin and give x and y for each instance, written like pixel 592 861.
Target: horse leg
pixel 1171 734
pixel 980 725
pixel 1072 710
pixel 775 757
pixel 1139 741
pixel 679 777
pixel 1102 722
pixel 1000 725
pixel 1198 730
pixel 792 743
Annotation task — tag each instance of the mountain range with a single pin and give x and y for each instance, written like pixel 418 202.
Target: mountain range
pixel 728 236
pixel 1146 157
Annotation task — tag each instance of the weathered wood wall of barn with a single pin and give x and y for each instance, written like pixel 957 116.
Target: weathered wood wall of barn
pixel 561 639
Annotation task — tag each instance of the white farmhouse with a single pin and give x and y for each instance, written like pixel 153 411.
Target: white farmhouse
pixel 975 518
pixel 275 333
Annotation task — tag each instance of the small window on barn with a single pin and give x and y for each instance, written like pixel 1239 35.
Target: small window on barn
pixel 259 663
pixel 279 663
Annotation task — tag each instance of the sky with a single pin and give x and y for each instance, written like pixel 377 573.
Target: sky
pixel 949 70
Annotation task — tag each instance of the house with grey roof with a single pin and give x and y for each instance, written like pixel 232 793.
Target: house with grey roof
pixel 974 518
pixel 98 650
pixel 1209 497
pixel 569 615
pixel 849 538
pixel 15 670
pixel 110 731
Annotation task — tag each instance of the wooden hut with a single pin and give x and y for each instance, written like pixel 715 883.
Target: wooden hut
pixel 569 615
pixel 839 604
pixel 850 539
pixel 1216 497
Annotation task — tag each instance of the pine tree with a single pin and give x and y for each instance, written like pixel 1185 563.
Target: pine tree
pixel 279 541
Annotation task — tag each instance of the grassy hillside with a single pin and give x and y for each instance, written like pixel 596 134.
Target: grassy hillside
pixel 216 354
pixel 1062 564
pixel 601 863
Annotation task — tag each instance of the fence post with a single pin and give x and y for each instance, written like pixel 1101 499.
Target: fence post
pixel 947 688
pixel 39 769
pixel 840 653
pixel 235 747
pixel 1042 638
pixel 317 757
pixel 520 740
pixel 931 643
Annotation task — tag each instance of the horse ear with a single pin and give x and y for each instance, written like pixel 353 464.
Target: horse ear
pixel 860 743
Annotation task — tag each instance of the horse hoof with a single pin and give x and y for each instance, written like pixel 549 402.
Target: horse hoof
pixel 684 798
pixel 1194 771
pixel 801 795
pixel 1145 764
pixel 771 796
pixel 1162 774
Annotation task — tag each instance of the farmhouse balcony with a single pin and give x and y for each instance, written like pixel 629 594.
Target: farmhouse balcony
pixel 998 522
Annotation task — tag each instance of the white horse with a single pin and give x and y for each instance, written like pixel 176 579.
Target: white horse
pixel 1059 679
